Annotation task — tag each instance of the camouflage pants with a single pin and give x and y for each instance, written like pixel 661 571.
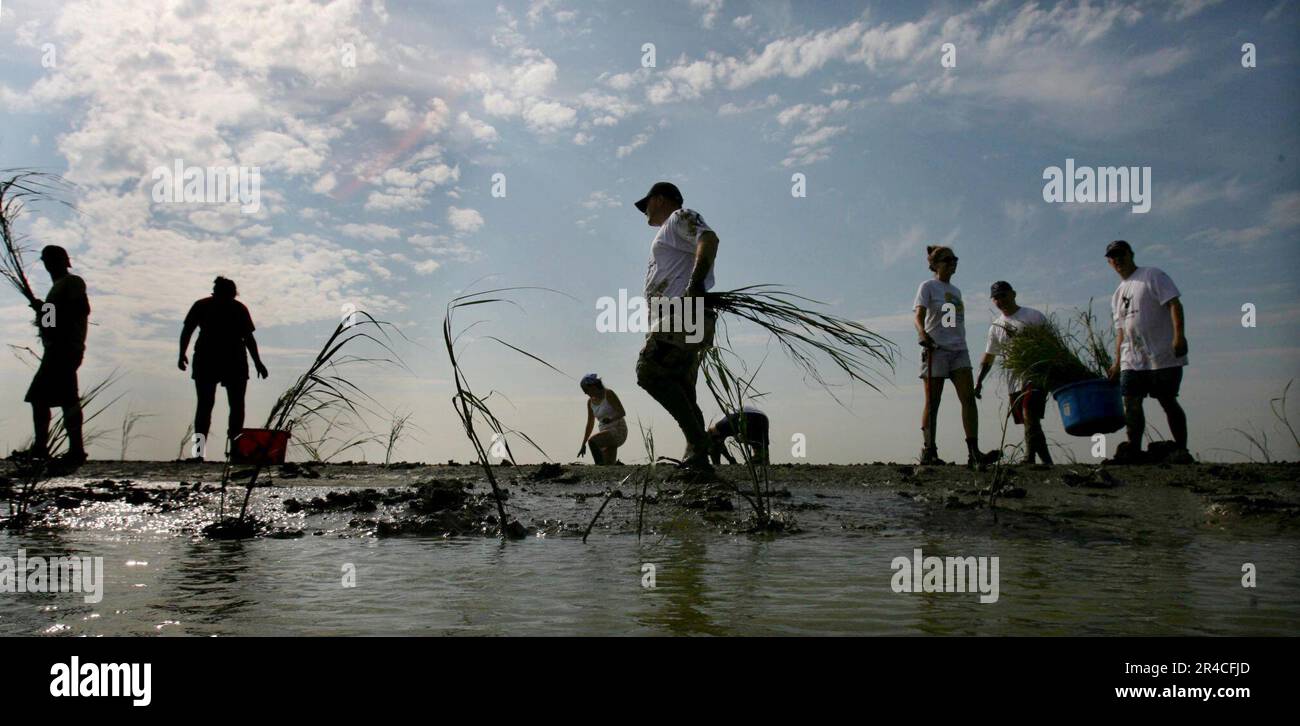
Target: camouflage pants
pixel 668 368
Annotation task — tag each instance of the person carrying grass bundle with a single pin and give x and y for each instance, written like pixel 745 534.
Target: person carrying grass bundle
pixel 1151 348
pixel 225 332
pixel 62 318
pixel 603 406
pixel 940 320
pixel 748 426
pixel 680 269
pixel 1028 402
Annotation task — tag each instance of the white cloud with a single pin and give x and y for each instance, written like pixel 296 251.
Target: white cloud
pixel 731 109
pixel 549 116
pixel 370 232
pixel 710 9
pixel 637 142
pixel 464 220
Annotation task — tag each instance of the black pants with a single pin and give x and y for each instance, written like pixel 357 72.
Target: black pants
pixel 207 392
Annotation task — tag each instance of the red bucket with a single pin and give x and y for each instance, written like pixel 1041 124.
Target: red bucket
pixel 261 447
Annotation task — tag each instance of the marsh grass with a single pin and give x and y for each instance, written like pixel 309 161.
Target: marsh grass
pixel 327 387
pixel 130 420
pixel 317 446
pixel 732 390
pixel 397 425
pixel 31 471
pixel 1057 353
pixel 471 408
pixel 1256 437
pixel 806 334
pixel 24 186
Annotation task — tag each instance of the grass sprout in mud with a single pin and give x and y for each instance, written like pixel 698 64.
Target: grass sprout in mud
pixel 324 390
pixel 471 407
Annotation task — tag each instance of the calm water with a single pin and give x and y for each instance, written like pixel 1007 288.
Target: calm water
pixel 833 579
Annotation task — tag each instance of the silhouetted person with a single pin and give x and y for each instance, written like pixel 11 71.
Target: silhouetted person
pixel 748 427
pixel 62 318
pixel 681 266
pixel 1150 349
pixel 225 332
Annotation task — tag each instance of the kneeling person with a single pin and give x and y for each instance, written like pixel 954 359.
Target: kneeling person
pixel 748 426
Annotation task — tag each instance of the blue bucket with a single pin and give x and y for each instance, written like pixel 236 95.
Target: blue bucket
pixel 1090 407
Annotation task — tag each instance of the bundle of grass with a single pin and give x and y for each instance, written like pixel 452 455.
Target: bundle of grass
pixel 470 407
pixel 324 389
pixel 1054 354
pixel 806 334
pixel 23 186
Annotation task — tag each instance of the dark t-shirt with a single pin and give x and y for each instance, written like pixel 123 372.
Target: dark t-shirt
pixel 66 338
pixel 224 324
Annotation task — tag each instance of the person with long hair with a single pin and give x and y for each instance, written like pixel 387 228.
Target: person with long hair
pixel 940 319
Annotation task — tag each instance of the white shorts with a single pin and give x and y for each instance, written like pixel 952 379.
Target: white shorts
pixel 945 362
pixel 617 429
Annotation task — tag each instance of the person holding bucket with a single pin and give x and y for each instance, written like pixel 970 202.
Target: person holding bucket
pixel 225 333
pixel 1150 348
pixel 940 319
pixel 1028 404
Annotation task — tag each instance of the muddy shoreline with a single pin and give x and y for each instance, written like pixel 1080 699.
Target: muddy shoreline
pixel 1127 503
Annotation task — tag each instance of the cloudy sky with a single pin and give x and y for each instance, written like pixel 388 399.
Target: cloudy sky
pixel 378 129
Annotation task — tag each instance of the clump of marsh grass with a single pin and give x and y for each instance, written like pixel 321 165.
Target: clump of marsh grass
pixel 1257 438
pixel 129 421
pixel 1057 354
pixel 806 334
pixel 31 471
pixel 316 446
pixel 470 407
pixel 397 424
pixel 325 388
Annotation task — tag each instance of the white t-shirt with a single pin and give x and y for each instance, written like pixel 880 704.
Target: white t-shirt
pixel 1138 307
pixel 672 255
pixel 743 409
pixel 1006 326
pixel 932 295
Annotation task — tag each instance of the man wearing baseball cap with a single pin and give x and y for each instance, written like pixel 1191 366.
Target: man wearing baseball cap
pixel 1150 348
pixel 1028 404
pixel 62 319
pixel 680 266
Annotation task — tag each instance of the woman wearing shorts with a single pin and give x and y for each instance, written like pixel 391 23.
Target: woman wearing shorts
pixel 940 319
pixel 604 407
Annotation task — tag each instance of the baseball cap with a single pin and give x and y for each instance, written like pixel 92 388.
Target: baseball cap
pixel 56 253
pixel 1000 287
pixel 1118 246
pixel 663 189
